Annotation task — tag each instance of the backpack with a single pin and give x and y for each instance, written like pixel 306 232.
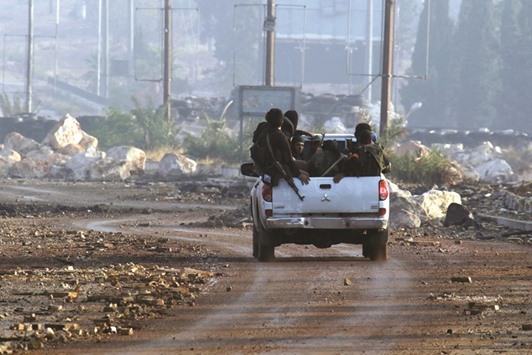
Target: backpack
pixel 259 150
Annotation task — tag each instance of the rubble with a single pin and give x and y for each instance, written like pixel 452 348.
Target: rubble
pixel 67 152
pixel 483 163
pixel 87 302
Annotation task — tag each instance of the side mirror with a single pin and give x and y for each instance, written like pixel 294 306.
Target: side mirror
pixel 247 169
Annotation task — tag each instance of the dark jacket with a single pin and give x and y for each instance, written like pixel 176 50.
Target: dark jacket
pixel 280 147
pixel 368 160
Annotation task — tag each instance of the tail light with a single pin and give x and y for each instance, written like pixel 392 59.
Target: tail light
pixel 383 190
pixel 267 193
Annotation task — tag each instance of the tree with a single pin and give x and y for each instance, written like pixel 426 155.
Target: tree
pixel 433 92
pixel 522 120
pixel 236 32
pixel 477 60
pixel 514 94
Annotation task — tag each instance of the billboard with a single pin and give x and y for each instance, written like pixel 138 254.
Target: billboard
pixel 257 100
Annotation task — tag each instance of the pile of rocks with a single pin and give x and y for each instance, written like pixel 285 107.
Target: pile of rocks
pixel 483 163
pixel 75 296
pixel 67 152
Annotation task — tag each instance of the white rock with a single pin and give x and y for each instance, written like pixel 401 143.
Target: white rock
pixel 411 148
pixel 46 153
pixel 30 168
pixel 59 172
pixel 108 169
pixel 435 202
pixel 174 165
pixel 10 155
pixel 66 131
pixel 19 143
pixel 495 171
pixel 80 165
pixel 71 149
pixel 88 141
pixel 134 158
pixel 405 212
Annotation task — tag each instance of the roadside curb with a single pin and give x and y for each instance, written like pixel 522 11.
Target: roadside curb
pixel 510 223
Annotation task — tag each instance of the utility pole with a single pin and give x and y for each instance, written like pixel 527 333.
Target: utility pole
pixel 131 38
pixel 369 42
pixel 57 13
pixel 29 59
pixel 387 67
pixel 167 77
pixel 269 27
pixel 105 49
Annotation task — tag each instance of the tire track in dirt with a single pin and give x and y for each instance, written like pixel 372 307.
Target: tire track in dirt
pixel 295 304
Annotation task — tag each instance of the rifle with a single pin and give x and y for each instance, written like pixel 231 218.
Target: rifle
pixel 281 170
pixel 288 178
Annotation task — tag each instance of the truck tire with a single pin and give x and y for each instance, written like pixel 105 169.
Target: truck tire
pixel 375 246
pixel 265 250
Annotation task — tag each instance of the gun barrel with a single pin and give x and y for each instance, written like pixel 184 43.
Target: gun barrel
pixel 288 179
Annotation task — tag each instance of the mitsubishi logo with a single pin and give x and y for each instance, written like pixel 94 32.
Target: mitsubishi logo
pixel 325 198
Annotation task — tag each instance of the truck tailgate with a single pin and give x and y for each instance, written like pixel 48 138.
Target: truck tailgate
pixel 322 195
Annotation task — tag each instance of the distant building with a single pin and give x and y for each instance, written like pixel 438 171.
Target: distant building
pixel 325 42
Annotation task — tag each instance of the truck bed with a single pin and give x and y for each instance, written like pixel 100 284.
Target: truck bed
pixel 352 195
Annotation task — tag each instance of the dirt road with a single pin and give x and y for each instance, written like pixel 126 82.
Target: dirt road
pixel 438 293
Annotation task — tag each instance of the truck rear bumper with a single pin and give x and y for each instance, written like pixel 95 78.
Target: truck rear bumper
pixel 326 223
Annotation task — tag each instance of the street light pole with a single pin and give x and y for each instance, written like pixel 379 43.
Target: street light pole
pixel 387 67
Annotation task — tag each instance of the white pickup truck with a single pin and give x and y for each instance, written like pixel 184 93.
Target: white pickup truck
pixel 355 211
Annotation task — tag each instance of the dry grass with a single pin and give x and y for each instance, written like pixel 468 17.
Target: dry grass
pixel 158 153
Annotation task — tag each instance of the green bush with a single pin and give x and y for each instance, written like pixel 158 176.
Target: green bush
pixel 214 143
pixel 142 127
pixel 431 169
pixel 10 108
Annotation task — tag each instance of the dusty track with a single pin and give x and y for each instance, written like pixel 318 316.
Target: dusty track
pixel 308 300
